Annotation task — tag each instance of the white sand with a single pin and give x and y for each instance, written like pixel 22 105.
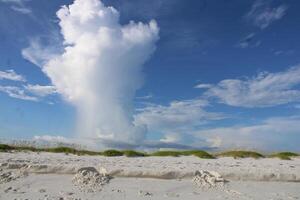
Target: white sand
pixel 50 177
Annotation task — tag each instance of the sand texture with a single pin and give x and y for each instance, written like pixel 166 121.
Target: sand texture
pixel 59 176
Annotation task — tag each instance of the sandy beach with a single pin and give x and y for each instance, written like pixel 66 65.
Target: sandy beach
pixel 29 175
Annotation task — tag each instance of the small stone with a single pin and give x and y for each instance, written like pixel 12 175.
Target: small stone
pixel 8 189
pixel 145 193
pixel 42 191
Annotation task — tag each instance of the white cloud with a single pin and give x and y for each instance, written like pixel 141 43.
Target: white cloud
pixel 11 75
pixel 23 10
pixel 203 86
pixel 264 90
pixel 18 93
pixel 274 134
pixel 100 67
pixel 149 96
pixel 262 14
pixel 38 54
pixel 41 90
pixel 177 119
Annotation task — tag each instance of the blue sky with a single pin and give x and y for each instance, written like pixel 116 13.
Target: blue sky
pixel 224 74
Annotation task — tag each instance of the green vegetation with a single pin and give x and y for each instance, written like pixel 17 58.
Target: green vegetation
pixel 5 148
pixel 198 153
pixel 112 152
pixel 240 154
pixel 25 148
pixel 166 153
pixel 284 155
pixel 131 153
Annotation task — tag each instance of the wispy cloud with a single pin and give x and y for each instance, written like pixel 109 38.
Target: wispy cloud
pixel 22 90
pixel 11 75
pixel 176 119
pixel 281 133
pixel 249 41
pixel 264 90
pixel 23 10
pixel 203 86
pixel 41 90
pixel 19 6
pixel 149 96
pixel 17 92
pixel 262 14
pixel 38 54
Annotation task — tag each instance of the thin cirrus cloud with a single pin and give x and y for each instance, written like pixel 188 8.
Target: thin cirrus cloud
pixel 11 75
pixel 262 14
pixel 264 90
pixel 249 41
pixel 23 91
pixel 28 92
pixel 17 92
pixel 41 90
pixel 18 6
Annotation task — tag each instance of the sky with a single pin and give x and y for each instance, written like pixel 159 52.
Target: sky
pixel 218 74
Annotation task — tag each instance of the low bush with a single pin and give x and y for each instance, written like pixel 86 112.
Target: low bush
pixel 284 155
pixel 131 153
pixel 112 152
pixel 166 153
pixel 241 154
pixel 199 154
pixel 5 148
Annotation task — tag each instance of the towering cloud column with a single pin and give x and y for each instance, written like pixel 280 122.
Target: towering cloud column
pixel 100 68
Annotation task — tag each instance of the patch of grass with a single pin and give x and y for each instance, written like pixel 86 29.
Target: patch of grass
pixel 90 153
pixel 112 152
pixel 26 148
pixel 241 154
pixel 5 148
pixel 131 153
pixel 166 153
pixel 61 150
pixel 198 153
pixel 284 155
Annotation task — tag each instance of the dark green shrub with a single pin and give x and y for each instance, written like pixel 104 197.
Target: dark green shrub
pixel 5 148
pixel 112 152
pixel 131 153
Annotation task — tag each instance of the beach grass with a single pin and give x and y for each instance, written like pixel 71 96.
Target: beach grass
pixel 284 155
pixel 133 153
pixel 197 153
pixel 166 153
pixel 5 148
pixel 240 154
pixel 112 153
